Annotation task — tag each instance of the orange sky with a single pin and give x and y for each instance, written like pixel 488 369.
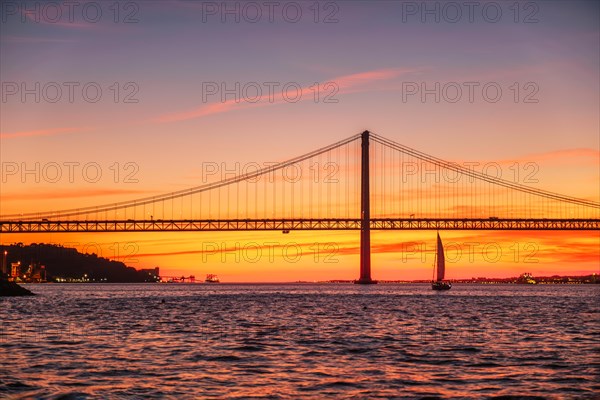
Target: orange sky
pixel 114 149
pixel 321 256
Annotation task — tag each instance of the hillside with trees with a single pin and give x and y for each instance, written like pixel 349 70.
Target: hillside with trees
pixel 67 264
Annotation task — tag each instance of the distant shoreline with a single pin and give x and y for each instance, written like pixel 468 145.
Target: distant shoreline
pixel 57 264
pixel 583 280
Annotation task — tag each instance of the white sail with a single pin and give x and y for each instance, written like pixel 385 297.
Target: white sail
pixel 441 261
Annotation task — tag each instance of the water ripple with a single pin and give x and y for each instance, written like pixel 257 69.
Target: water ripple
pixel 309 341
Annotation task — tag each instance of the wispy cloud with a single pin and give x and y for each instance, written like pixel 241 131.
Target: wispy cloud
pixel 578 154
pixel 69 194
pixel 36 19
pixel 216 249
pixel 41 132
pixel 34 39
pixel 359 82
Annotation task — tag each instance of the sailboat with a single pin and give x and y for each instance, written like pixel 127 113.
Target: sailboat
pixel 440 264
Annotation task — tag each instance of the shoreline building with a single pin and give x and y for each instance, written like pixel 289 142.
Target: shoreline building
pixel 152 273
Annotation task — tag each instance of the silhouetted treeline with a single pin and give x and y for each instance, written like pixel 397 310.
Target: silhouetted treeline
pixel 68 263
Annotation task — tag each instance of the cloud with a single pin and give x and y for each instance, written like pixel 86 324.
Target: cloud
pixel 41 132
pixel 267 249
pixel 210 109
pixel 576 156
pixel 353 83
pixel 33 39
pixel 63 20
pixel 69 194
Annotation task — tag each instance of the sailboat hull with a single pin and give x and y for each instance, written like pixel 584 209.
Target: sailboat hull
pixel 441 285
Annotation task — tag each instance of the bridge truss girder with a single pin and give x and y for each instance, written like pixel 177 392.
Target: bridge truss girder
pixel 285 225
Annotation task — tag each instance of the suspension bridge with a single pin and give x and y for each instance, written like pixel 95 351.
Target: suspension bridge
pixel 361 183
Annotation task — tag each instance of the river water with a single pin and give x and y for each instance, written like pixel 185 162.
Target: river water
pixel 300 341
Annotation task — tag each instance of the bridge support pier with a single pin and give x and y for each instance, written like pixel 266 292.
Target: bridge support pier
pixel 365 209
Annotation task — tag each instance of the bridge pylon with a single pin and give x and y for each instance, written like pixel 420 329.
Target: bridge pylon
pixel 365 219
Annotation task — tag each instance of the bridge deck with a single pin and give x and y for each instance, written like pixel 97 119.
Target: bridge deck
pixel 295 224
